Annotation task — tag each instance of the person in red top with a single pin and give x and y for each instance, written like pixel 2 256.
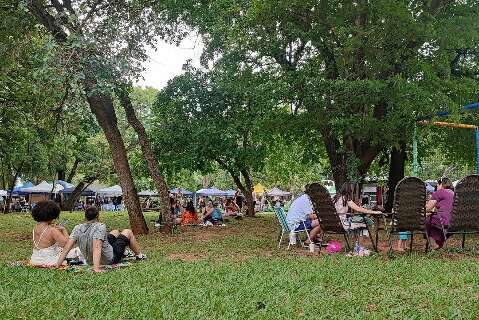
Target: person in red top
pixel 189 216
pixel 442 201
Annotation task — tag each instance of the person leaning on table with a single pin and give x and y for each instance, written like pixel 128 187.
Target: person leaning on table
pixel 442 201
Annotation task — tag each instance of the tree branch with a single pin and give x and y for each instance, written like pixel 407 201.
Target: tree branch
pixel 47 20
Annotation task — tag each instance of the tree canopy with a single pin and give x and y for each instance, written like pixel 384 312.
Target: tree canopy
pixel 363 70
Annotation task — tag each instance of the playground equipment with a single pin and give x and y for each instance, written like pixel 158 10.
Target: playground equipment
pixel 425 121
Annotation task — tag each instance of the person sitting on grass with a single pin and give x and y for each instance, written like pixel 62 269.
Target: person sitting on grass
pixel 301 215
pixel 208 211
pixel 213 214
pixel 48 239
pixel 442 201
pixel 231 208
pixel 217 215
pixel 189 216
pixel 99 247
pixel 343 203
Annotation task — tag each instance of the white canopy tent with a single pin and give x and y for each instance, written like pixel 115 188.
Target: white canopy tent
pixel 3 193
pixel 275 192
pixel 113 191
pixel 43 187
pixel 147 193
pixel 96 186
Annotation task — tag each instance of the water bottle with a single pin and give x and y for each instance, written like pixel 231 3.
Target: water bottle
pixel 292 238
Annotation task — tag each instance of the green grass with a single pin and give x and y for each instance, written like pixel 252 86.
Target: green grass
pixel 236 272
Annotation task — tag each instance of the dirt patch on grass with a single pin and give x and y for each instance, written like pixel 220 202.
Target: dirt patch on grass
pixel 18 236
pixel 188 257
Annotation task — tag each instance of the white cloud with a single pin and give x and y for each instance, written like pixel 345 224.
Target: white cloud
pixel 167 61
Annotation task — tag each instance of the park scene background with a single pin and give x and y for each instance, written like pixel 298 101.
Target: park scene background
pixel 283 93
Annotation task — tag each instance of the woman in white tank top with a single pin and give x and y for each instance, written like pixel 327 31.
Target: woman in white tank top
pixel 48 240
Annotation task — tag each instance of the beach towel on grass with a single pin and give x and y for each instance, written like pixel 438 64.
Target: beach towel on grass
pixel 75 268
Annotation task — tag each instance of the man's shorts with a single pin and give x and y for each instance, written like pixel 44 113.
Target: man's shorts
pixel 119 245
pixel 308 222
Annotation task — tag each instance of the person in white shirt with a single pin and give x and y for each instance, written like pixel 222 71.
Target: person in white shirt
pixel 302 210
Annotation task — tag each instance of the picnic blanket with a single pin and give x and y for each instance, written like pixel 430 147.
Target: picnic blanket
pixel 76 268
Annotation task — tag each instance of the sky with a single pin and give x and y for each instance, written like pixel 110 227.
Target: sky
pixel 167 61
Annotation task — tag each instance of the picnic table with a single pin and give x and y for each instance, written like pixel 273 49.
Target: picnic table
pixel 378 218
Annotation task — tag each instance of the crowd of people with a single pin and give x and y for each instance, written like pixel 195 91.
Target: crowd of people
pixel 207 211
pixel 301 215
pixel 105 203
pixel 18 204
pixel 90 241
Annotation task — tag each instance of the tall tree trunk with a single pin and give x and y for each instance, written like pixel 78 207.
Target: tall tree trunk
pixel 73 170
pixel 248 192
pixel 102 108
pixel 76 194
pixel 337 162
pixel 61 174
pixel 153 166
pixel 396 173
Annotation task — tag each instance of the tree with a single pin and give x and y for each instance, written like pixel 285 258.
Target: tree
pixel 123 93
pixel 362 69
pixel 290 165
pixel 205 118
pixel 29 146
pixel 105 43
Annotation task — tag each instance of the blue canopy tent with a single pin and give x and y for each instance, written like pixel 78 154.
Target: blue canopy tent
pixel 211 192
pixel 18 189
pixel 230 193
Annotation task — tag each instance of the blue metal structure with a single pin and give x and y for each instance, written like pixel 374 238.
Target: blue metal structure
pixel 427 119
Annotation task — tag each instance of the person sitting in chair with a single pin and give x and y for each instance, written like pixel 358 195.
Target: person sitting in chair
pixel 99 247
pixel 343 203
pixel 301 215
pixel 442 201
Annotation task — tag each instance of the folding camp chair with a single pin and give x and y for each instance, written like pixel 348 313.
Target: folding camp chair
pixel 328 218
pixel 279 212
pixel 409 210
pixel 465 211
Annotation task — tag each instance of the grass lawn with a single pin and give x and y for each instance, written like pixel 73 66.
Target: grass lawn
pixel 236 272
